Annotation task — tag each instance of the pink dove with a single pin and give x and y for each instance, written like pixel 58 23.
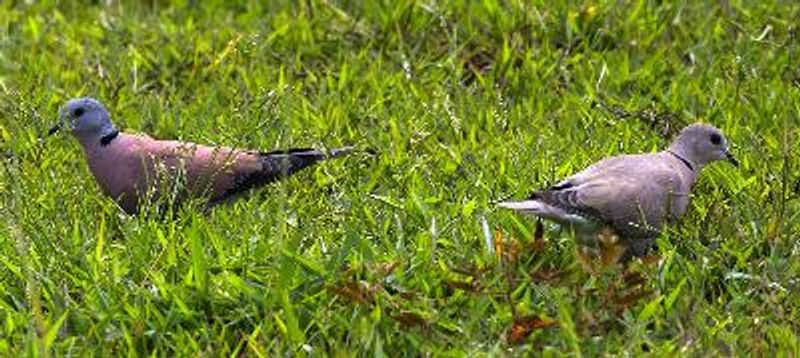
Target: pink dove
pixel 132 168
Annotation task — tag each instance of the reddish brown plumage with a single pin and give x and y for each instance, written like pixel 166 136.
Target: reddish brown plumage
pixel 130 167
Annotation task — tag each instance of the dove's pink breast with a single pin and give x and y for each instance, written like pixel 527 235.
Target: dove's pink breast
pixel 119 169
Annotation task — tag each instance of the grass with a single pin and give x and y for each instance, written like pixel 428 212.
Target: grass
pixel 401 252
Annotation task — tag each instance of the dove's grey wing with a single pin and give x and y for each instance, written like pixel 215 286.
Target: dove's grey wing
pixel 630 193
pixel 577 201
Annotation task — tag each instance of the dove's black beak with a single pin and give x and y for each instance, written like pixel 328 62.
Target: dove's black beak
pixel 59 124
pixel 55 128
pixel 731 159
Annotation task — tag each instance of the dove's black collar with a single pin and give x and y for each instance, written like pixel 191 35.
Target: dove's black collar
pixel 682 159
pixel 104 140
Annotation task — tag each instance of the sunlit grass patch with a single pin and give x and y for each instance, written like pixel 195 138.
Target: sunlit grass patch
pixel 464 104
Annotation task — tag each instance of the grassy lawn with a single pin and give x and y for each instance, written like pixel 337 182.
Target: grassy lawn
pixel 402 251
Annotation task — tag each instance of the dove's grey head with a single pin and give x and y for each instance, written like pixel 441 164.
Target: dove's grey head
pixel 86 118
pixel 701 144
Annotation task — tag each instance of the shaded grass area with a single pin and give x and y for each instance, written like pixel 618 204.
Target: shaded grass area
pixel 403 251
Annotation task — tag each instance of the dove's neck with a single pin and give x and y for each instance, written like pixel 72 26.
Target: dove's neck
pixel 105 136
pixel 683 160
pixel 686 156
pixel 108 137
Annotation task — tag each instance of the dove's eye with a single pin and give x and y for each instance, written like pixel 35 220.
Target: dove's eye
pixel 716 139
pixel 78 112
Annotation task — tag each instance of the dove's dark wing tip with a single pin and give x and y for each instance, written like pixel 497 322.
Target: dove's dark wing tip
pixel 279 164
pixel 310 153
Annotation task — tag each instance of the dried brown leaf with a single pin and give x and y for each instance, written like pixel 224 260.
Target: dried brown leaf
pixel 584 255
pixel 465 286
pixel 469 271
pixel 353 292
pixel 410 319
pixel 524 326
pixel 387 268
pixel 511 252
pixel 651 260
pixel 611 249
pixel 537 245
pixel 408 295
pixel 633 279
pixel 631 298
pixel 545 275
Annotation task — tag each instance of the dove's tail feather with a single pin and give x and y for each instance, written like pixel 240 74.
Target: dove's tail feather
pixel 338 152
pixel 546 211
pixel 534 207
pixel 282 163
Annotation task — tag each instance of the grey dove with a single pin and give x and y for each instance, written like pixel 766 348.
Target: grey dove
pixel 634 195
pixel 133 168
